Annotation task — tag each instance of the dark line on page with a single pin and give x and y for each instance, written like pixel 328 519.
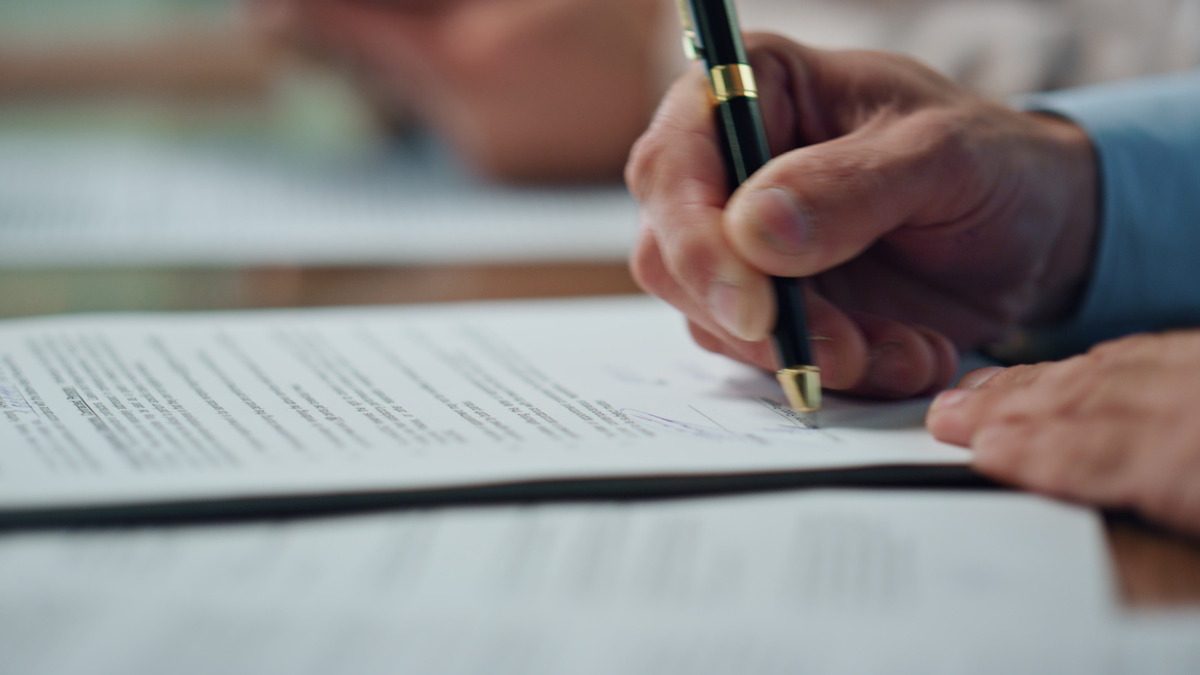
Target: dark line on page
pixel 718 424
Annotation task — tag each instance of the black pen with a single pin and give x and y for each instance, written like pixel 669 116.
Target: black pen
pixel 711 34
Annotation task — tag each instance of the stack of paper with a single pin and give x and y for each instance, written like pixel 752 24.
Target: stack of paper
pixel 248 413
pixel 844 582
pixel 113 201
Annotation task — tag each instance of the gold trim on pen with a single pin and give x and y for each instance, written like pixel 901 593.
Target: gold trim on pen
pixel 802 385
pixel 735 80
pixel 691 45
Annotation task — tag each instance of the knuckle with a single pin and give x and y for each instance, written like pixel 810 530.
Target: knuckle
pixel 1084 368
pixel 1059 463
pixel 690 260
pixel 768 67
pixel 979 409
pixel 639 168
pixel 1071 385
pixel 646 267
pixel 668 130
pixel 1001 460
pixel 989 406
pixel 772 54
pixel 1009 378
pixel 946 136
pixel 826 169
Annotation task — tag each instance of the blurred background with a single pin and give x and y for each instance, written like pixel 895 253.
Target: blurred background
pixel 187 154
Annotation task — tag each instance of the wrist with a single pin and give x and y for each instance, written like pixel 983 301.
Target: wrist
pixel 1072 173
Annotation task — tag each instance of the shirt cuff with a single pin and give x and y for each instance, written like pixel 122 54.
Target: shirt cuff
pixel 1146 270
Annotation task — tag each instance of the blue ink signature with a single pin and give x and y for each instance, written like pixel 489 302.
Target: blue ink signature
pixel 712 431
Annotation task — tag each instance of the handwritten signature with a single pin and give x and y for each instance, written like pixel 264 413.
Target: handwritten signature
pixel 698 430
pixel 713 430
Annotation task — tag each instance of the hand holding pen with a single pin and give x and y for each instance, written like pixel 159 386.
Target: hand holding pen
pixel 923 217
pixel 711 34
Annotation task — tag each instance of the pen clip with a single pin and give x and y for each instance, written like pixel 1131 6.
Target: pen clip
pixel 691 45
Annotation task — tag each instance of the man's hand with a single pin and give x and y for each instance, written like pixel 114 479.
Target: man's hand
pixel 522 89
pixel 1117 426
pixel 927 217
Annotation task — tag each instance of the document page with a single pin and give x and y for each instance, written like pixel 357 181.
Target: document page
pixel 132 409
pixel 811 581
pixel 1165 642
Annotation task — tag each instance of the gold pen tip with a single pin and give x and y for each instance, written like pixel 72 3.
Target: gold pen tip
pixel 802 386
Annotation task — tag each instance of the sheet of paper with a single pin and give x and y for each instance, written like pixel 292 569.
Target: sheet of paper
pixel 813 581
pixel 112 409
pixel 98 201
pixel 1163 642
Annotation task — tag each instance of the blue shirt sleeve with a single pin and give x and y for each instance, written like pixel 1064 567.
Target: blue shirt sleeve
pixel 1146 271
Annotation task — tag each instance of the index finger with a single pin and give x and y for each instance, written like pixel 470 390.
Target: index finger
pixel 676 171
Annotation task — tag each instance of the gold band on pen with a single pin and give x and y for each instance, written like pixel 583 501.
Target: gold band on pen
pixel 691 45
pixel 735 80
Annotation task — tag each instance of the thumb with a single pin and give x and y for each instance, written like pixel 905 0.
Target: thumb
pixel 816 207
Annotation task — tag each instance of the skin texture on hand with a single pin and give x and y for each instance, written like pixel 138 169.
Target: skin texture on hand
pixel 927 218
pixel 1116 426
pixel 522 89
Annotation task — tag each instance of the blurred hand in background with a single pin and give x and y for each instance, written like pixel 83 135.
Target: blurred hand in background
pixel 533 89
pixel 521 89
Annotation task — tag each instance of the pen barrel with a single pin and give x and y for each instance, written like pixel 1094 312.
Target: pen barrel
pixel 718 31
pixel 743 138
pixel 744 144
pixel 790 336
pixel 745 149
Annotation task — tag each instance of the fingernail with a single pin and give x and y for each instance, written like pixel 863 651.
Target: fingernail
pixel 946 418
pixel 977 378
pixel 890 369
pixel 776 216
pixel 948 399
pixel 725 303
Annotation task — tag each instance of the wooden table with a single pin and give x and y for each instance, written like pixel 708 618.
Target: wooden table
pixel 1154 569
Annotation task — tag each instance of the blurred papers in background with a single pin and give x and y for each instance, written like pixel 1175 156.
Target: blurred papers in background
pixel 193 153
